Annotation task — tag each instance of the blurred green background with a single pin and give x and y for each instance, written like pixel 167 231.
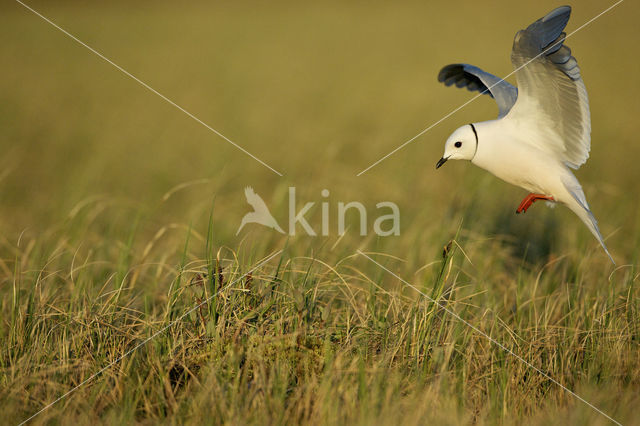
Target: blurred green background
pixel 319 91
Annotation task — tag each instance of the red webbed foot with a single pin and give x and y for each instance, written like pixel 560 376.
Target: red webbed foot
pixel 530 199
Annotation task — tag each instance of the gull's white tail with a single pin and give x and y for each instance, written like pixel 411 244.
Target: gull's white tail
pixel 580 207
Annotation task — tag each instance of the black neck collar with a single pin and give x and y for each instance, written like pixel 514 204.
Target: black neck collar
pixel 476 135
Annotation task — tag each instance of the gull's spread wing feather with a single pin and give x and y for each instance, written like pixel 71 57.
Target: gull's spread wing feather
pixel 552 97
pixel 473 78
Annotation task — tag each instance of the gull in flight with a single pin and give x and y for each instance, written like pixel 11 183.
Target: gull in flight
pixel 543 126
pixel 260 213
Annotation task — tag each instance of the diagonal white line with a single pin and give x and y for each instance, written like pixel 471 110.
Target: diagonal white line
pixel 145 341
pixel 492 340
pixel 488 89
pixel 146 86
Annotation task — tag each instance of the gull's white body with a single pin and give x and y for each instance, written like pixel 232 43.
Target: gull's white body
pixel 504 153
pixel 544 125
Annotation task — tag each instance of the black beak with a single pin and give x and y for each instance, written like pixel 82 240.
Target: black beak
pixel 441 162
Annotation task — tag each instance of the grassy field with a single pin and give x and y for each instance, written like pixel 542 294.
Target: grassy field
pixel 121 270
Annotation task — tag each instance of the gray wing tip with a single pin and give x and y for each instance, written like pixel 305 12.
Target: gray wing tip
pixel 448 71
pixel 559 11
pixel 548 28
pixel 546 36
pixel 463 75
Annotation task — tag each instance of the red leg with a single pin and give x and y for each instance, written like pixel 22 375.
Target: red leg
pixel 530 199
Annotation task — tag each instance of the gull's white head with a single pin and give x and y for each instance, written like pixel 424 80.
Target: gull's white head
pixel 461 145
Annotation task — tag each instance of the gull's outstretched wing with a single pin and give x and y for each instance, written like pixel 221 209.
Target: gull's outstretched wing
pixel 551 93
pixel 473 78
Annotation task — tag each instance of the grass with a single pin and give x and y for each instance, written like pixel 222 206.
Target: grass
pixel 118 216
pixel 299 340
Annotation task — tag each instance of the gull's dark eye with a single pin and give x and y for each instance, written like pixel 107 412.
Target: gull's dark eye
pixel 458 144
